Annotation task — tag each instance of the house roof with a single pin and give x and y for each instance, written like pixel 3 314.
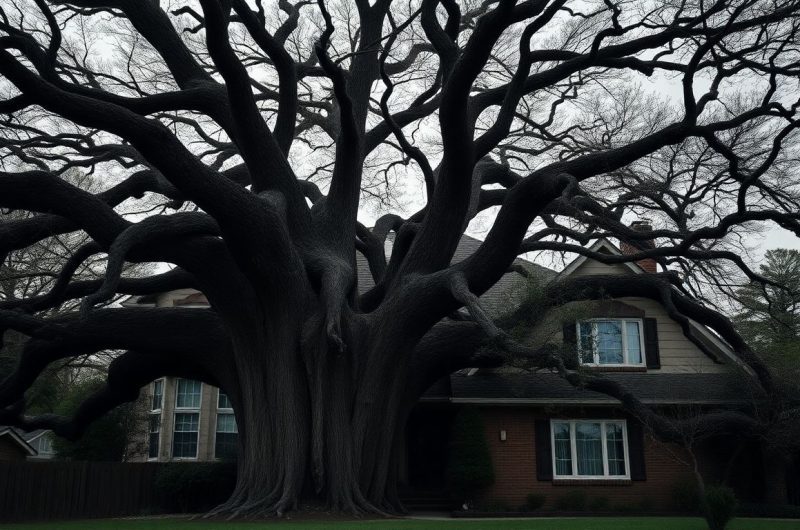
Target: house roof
pixel 601 245
pixel 17 436
pixel 546 388
pixel 496 298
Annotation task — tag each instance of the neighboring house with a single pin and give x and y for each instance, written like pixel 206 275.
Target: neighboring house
pixel 546 437
pixel 13 447
pixel 42 441
pixel 16 444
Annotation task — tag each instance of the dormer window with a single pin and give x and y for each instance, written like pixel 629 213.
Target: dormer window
pixel 611 342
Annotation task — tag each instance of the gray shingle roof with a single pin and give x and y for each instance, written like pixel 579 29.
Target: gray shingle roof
pixel 498 297
pixel 544 388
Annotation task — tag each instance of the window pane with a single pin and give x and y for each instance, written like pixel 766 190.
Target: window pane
pixel 154 435
pixel 224 402
pixel 615 449
pixel 158 393
pixel 226 446
pixel 634 344
pixel 45 445
pixel 589 448
pixel 562 452
pixel 184 445
pixel 226 423
pixel 609 342
pixel 586 342
pixel 185 422
pixel 188 395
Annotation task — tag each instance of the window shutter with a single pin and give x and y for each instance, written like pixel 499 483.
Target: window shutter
pixel 544 451
pixel 651 343
pixel 636 450
pixel 570 336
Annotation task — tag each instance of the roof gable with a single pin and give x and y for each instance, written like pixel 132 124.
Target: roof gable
pixel 11 433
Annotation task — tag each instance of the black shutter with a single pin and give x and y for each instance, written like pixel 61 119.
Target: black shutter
pixel 570 337
pixel 544 451
pixel 651 343
pixel 636 450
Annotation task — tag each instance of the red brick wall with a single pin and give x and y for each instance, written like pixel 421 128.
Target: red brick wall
pixel 515 465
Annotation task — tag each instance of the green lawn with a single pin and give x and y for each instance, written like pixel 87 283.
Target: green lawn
pixel 597 523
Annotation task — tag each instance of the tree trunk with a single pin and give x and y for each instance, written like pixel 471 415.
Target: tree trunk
pixel 316 425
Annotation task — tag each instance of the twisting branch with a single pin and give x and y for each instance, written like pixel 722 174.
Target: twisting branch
pixel 147 232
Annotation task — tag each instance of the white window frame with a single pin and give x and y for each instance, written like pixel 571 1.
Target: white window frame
pixel 596 354
pixel 156 412
pixel 199 405
pixel 186 410
pixel 222 410
pixel 153 394
pixel 44 445
pixel 574 452
pixel 150 432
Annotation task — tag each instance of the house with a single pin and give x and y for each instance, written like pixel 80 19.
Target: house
pixel 16 444
pixel 13 447
pixel 546 437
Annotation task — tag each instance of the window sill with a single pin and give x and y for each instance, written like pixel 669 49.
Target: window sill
pixel 592 482
pixel 595 368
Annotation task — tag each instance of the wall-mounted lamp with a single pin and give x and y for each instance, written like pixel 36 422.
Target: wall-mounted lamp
pixel 503 435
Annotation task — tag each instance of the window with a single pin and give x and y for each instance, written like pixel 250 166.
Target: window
pixel 154 435
pixel 589 449
pixel 184 439
pixel 158 394
pixel 44 445
pixel 226 440
pixel 187 418
pixel 223 401
pixel 188 394
pixel 154 430
pixel 610 342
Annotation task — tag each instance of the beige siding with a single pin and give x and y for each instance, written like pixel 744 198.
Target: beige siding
pixel 592 267
pixel 678 354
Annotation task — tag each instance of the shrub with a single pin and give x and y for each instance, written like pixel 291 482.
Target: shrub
pixel 720 506
pixel 599 504
pixel 469 469
pixel 534 501
pixel 685 494
pixel 194 486
pixel 571 501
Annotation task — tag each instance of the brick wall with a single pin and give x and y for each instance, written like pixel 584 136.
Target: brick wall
pixel 515 465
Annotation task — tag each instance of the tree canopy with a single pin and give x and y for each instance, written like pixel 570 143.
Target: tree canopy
pixel 244 142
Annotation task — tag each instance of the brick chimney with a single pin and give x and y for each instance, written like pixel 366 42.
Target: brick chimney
pixel 649 265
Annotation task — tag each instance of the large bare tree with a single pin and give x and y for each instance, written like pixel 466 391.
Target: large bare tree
pixel 257 131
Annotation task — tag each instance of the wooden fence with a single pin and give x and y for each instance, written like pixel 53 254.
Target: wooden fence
pixel 76 490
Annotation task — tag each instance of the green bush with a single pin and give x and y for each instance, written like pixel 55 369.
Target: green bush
pixel 571 501
pixel 469 469
pixel 686 498
pixel 534 501
pixel 194 486
pixel 720 506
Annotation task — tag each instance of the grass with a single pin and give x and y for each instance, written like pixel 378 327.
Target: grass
pixel 588 523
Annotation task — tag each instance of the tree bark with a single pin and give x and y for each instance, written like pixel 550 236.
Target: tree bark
pixel 316 425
